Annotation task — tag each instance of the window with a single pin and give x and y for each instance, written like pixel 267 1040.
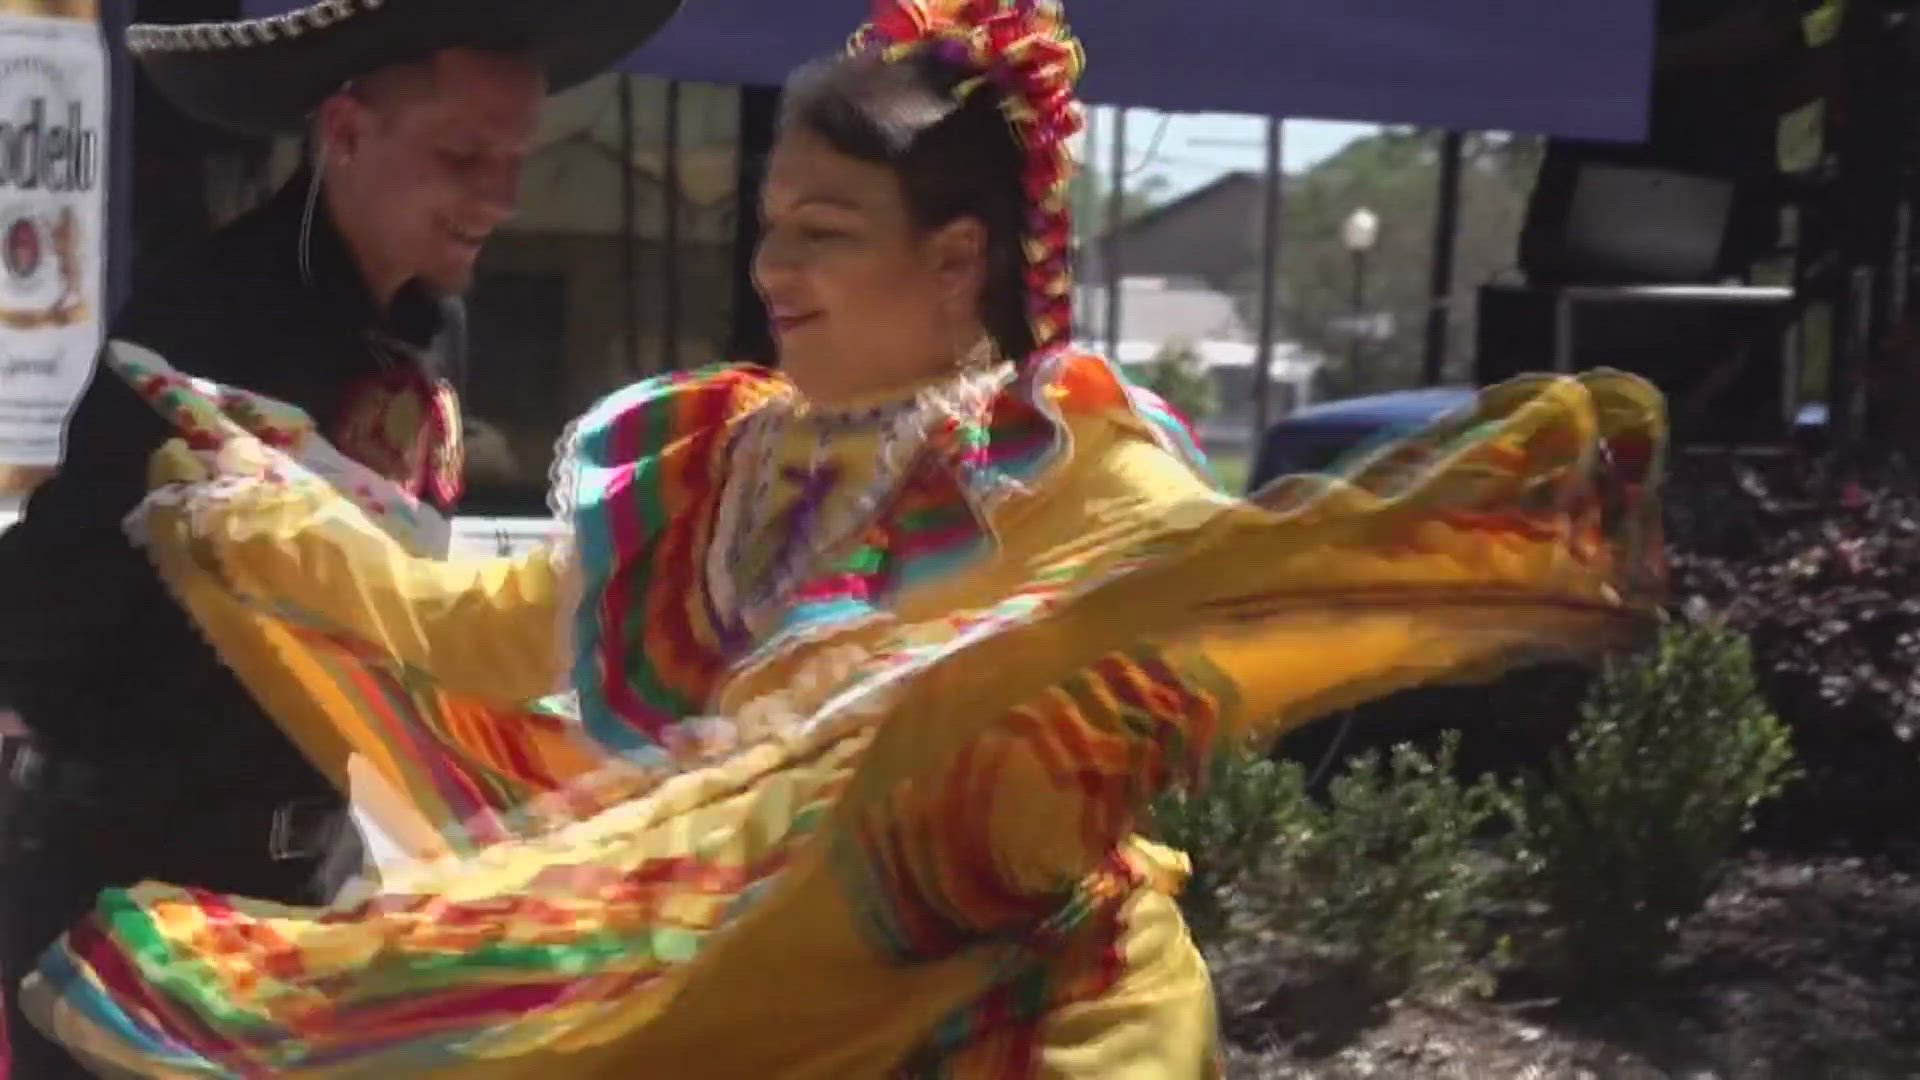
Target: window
pixel 514 322
pixel 603 277
pixel 619 264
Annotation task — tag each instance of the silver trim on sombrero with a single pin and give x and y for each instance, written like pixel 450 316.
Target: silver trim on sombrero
pixel 208 37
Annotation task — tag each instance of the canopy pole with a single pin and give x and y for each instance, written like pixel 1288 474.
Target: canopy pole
pixel 670 234
pixel 1084 233
pixel 629 232
pixel 1270 220
pixel 1446 228
pixel 758 115
pixel 1116 217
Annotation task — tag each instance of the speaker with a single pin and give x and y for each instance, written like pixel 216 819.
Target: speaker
pixel 1722 355
pixel 1604 221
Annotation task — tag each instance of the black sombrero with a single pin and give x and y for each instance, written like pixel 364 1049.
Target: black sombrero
pixel 265 76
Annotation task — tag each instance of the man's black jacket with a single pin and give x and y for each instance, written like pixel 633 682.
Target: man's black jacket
pixel 95 656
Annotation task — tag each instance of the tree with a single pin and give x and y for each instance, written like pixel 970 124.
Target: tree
pixel 1180 378
pixel 1088 192
pixel 1396 174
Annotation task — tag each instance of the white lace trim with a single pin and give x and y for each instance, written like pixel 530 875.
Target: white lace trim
pixel 748 477
pixel 563 475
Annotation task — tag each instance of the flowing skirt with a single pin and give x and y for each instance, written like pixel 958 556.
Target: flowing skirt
pixel 912 853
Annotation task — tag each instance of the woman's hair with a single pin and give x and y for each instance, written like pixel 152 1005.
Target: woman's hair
pixel 955 159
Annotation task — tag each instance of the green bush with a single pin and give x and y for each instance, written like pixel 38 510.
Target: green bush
pixel 1381 883
pixel 1227 824
pixel 1632 827
pixel 1384 880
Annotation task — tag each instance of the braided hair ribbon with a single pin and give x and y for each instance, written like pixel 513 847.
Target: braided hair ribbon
pixel 1024 49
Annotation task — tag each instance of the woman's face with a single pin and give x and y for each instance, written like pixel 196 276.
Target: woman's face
pixel 860 301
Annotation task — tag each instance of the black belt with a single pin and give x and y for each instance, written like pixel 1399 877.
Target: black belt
pixel 293 829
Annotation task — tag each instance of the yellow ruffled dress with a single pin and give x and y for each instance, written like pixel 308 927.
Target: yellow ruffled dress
pixel 815 748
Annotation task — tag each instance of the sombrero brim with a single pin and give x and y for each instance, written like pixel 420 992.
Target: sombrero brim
pixel 266 76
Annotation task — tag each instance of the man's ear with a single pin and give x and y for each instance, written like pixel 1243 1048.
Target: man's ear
pixel 337 126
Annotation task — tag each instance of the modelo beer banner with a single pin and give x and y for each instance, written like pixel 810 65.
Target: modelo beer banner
pixel 53 170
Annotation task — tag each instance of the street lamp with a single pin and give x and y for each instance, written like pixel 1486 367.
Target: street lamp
pixel 1358 234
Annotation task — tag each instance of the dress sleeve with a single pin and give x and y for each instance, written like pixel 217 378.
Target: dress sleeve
pixel 488 629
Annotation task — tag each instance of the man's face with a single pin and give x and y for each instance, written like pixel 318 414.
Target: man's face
pixel 425 163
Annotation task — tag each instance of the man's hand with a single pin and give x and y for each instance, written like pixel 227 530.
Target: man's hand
pixel 240 455
pixel 11 726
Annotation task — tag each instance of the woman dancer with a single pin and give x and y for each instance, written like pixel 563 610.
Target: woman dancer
pixel 815 749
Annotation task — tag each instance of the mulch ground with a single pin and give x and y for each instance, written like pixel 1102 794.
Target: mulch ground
pixel 1805 966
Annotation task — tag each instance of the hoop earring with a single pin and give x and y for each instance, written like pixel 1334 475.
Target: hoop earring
pixel 304 249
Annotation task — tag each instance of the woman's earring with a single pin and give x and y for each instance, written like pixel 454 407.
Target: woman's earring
pixel 977 357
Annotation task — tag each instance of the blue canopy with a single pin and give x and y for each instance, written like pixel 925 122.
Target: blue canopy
pixel 1557 67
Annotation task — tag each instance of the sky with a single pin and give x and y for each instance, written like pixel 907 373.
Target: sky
pixel 1194 148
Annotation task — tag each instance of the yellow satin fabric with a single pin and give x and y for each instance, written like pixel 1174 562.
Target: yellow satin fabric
pixel 1275 614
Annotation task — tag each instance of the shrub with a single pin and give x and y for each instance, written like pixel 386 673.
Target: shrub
pixel 1383 880
pixel 1505 727
pixel 1824 577
pixel 1227 824
pixel 1630 830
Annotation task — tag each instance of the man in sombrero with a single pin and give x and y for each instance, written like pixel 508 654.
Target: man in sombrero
pixel 148 760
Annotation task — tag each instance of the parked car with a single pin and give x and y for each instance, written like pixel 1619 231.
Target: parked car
pixel 1315 438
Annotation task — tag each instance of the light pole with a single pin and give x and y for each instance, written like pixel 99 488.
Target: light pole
pixel 1358 234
